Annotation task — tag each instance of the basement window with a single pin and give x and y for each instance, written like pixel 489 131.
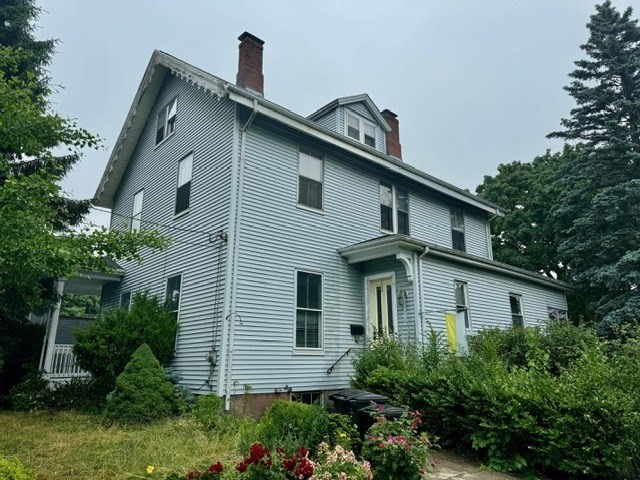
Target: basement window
pixel 166 124
pixel 308 397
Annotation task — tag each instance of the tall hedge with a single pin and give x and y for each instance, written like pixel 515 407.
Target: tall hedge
pixel 142 393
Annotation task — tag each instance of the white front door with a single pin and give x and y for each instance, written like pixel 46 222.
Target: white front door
pixel 381 308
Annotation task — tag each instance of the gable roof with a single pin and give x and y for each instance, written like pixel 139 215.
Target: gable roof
pixel 161 64
pixel 362 98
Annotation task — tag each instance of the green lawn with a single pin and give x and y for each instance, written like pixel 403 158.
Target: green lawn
pixel 68 445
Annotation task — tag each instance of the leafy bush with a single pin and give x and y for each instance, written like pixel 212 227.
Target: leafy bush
pixel 20 347
pixel 31 394
pixel 142 394
pixel 342 432
pixel 107 345
pixel 530 400
pixel 83 394
pixel 12 469
pixel 396 450
pixel 208 411
pixel 288 424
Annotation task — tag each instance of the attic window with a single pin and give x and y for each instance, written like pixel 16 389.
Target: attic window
pixel 361 130
pixel 166 121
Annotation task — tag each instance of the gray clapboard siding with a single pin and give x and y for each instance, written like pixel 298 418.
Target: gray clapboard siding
pixel 204 126
pixel 329 120
pixel 488 295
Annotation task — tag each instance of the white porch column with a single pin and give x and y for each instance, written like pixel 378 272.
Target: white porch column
pixel 53 327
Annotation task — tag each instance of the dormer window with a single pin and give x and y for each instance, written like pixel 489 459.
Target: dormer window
pixel 166 121
pixel 361 130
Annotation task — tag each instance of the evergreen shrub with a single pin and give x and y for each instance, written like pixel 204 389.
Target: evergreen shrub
pixel 142 393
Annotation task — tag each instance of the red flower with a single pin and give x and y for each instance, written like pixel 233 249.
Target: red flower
pixel 302 452
pixel 305 469
pixel 193 474
pixel 257 452
pixel 289 464
pixel 241 467
pixel 216 467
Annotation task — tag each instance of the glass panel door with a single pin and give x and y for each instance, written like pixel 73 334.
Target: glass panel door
pixel 381 309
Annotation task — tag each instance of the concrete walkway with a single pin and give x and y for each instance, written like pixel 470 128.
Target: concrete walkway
pixel 450 466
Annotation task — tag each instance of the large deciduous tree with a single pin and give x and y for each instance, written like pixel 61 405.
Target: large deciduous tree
pixel 41 237
pixel 599 210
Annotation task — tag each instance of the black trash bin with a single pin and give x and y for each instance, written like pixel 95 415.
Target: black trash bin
pixel 349 402
pixel 365 419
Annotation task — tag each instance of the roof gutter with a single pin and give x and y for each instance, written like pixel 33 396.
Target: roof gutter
pixel 286 117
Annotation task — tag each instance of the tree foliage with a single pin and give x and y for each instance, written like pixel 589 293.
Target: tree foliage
pixel 599 209
pixel 574 214
pixel 38 224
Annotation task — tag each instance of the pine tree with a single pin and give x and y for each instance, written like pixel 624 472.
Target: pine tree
pixel 599 211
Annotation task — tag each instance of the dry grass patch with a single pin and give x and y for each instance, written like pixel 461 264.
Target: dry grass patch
pixel 70 445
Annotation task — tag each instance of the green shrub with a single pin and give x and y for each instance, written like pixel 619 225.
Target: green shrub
pixel 83 394
pixel 107 345
pixel 342 432
pixel 208 411
pixel 555 399
pixel 291 424
pixel 383 352
pixel 142 394
pixel 12 469
pixel 20 347
pixel 31 394
pixel 184 397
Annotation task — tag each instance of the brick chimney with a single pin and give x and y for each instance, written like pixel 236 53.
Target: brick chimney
pixel 393 137
pixel 250 63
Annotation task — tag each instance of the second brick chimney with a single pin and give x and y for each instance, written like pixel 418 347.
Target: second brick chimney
pixel 250 63
pixel 393 137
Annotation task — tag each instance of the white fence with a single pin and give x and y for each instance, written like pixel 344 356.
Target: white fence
pixel 64 363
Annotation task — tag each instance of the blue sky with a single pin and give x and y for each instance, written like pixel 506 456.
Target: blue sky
pixel 474 83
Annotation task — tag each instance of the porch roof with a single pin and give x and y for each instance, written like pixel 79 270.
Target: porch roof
pixel 401 246
pixel 91 282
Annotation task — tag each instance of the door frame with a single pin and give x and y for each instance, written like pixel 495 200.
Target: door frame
pixel 368 313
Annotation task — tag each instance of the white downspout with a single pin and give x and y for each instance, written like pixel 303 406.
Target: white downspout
pixel 231 315
pixel 53 328
pixel 421 287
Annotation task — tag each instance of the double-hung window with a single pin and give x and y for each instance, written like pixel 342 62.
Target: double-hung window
pixel 308 332
pixel 394 209
pixel 310 180
pixel 361 130
pixel 183 191
pixel 457 230
pixel 517 315
pixel 136 214
pixel 166 124
pixel 462 301
pixel 172 296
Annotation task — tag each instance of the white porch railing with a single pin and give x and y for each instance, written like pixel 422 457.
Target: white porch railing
pixel 63 364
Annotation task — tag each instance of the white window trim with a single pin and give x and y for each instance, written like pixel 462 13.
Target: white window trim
pixel 307 350
pixel 521 300
pixel 466 299
pixel 166 120
pixel 175 194
pixel 362 122
pixel 139 214
pixel 394 209
pixel 379 276
pixel 557 310
pixel 302 206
